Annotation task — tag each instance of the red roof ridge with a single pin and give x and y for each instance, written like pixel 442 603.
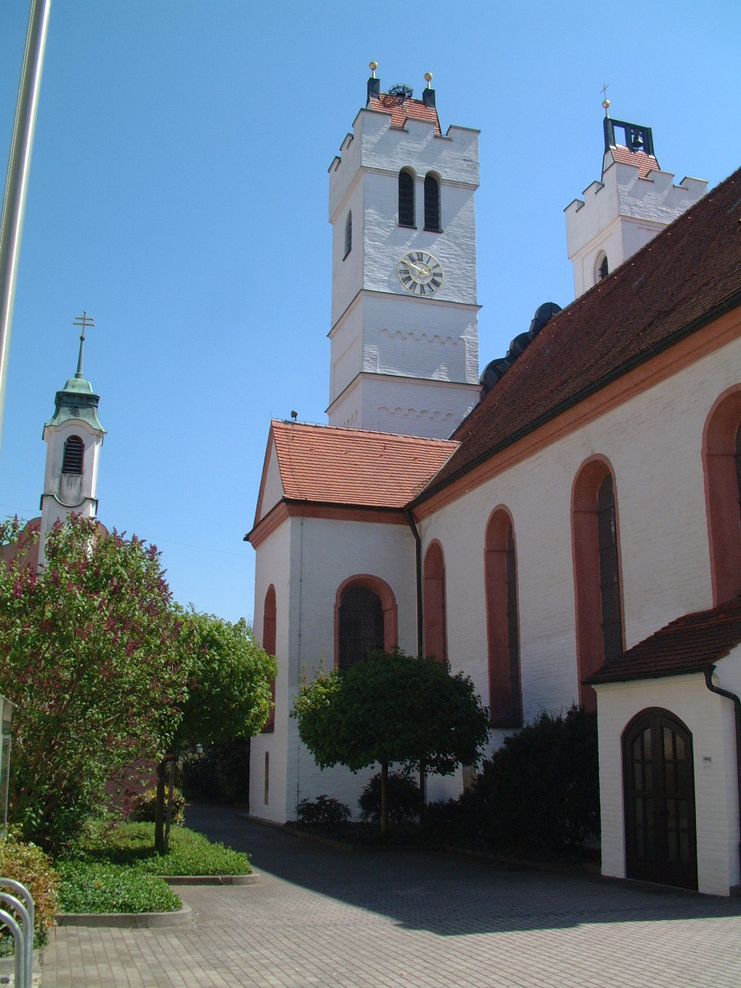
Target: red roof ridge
pixel 692 642
pixel 362 432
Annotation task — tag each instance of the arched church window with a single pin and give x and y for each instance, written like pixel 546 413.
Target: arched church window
pixel 602 268
pixel 721 455
pixel 361 625
pixel 500 564
pixel 348 234
pixel 434 623
pixel 432 202
pixel 269 628
pixel 74 453
pixel 406 198
pixel 599 623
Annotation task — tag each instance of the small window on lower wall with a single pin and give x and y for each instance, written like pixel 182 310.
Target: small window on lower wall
pixel 266 792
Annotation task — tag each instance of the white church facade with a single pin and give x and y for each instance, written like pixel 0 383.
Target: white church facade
pixel 566 531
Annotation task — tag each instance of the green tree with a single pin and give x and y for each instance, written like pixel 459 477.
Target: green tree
pixel 228 695
pixel 89 654
pixel 392 708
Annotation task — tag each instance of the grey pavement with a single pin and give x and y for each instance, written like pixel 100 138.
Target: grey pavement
pixel 330 917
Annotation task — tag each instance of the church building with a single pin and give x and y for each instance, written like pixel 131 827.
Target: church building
pixel 565 528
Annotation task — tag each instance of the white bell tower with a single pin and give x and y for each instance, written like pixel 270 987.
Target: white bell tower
pixel 404 336
pixel 633 201
pixel 73 436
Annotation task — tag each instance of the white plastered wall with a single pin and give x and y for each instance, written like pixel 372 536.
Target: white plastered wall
pixel 653 442
pixel 711 720
pixel 312 558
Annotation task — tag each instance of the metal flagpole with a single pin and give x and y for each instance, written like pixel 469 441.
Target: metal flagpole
pixel 16 183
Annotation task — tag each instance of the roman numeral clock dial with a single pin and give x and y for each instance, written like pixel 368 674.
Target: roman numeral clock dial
pixel 420 273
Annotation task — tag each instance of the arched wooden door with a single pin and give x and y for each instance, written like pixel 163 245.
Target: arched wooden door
pixel 660 839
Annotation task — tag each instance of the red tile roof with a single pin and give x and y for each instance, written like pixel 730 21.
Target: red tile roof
pixel 671 286
pixel 646 163
pixel 350 467
pixel 692 643
pixel 402 110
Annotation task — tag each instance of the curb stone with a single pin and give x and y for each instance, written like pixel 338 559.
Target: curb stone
pixel 135 921
pixel 250 879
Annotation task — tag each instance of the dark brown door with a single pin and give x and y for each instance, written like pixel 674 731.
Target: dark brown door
pixel 660 840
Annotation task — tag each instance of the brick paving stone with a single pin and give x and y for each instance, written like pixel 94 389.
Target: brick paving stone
pixel 331 918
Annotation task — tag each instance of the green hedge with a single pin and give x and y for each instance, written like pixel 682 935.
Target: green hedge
pixel 132 844
pixel 95 887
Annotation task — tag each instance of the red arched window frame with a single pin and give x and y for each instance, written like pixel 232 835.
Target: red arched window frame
pixel 721 460
pixel 388 605
pixel 502 621
pixel 433 604
pixel 269 626
pixel 597 574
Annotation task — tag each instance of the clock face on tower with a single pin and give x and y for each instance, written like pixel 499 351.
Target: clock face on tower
pixel 420 273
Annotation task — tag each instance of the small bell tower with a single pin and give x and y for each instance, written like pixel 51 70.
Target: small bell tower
pixel 633 201
pixel 73 436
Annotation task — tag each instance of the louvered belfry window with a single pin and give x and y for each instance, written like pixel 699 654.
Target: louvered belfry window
pixel 432 203
pixel 74 452
pixel 406 199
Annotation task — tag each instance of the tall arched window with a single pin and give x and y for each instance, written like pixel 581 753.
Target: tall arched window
pixel 721 454
pixel 599 622
pixel 269 626
pixel 74 453
pixel 435 627
pixel 406 198
pixel 365 619
pixel 500 568
pixel 348 234
pixel 432 202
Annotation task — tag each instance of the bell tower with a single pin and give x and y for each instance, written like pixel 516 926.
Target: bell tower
pixel 633 201
pixel 404 334
pixel 73 436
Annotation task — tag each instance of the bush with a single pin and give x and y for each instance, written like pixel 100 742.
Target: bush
pixel 404 799
pixel 143 807
pixel 132 844
pixel 28 864
pixel 323 810
pixel 540 791
pixel 94 887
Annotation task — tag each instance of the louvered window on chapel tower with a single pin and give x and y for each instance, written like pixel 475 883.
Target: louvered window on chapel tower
pixel 74 451
pixel 348 234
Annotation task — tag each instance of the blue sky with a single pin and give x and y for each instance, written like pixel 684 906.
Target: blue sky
pixel 179 194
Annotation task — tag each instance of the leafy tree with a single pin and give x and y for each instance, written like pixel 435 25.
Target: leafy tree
pixel 228 694
pixel 89 655
pixel 392 708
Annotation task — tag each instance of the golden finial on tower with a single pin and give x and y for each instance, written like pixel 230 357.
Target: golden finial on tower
pixel 373 66
pixel 605 100
pixel 428 78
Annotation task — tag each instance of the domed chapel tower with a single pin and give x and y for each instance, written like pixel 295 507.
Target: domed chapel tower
pixel 404 335
pixel 73 436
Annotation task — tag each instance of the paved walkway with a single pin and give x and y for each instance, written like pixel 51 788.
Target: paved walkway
pixel 385 919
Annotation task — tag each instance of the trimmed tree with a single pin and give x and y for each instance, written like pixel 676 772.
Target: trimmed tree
pixel 392 708
pixel 89 655
pixel 228 698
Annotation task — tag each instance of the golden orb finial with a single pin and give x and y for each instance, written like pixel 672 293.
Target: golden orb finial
pixel 428 78
pixel 606 107
pixel 372 65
